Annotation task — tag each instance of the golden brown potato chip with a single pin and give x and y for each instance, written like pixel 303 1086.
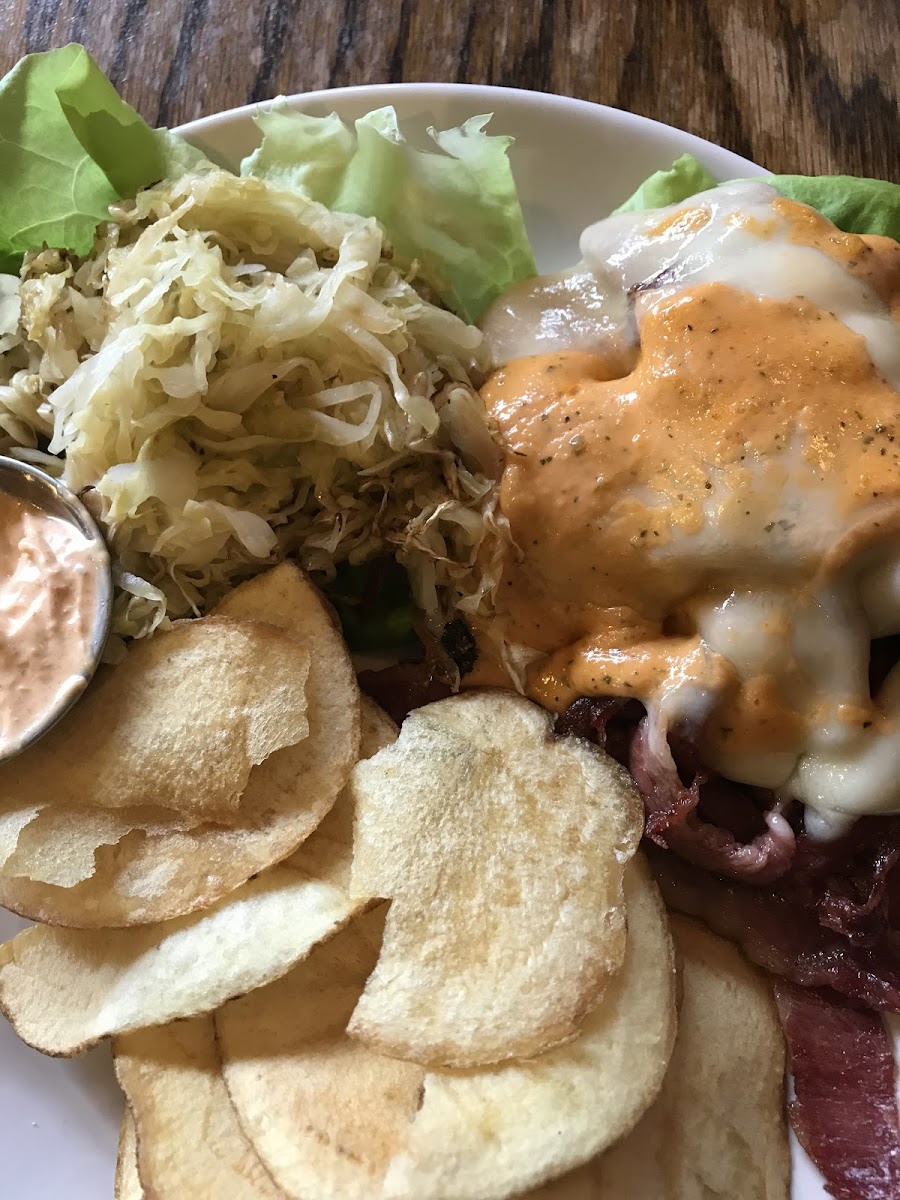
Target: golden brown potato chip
pixel 12 828
pixel 721 1113
pixel 285 597
pixel 339 1113
pixel 60 849
pixel 333 1119
pixel 128 1182
pixel 65 989
pixel 502 848
pixel 178 724
pixel 59 860
pixel 190 1145
pixel 717 1127
pixel 329 852
pixel 152 871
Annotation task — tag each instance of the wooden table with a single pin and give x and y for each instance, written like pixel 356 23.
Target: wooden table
pixel 798 85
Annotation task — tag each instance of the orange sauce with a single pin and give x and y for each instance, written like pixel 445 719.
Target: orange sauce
pixel 628 496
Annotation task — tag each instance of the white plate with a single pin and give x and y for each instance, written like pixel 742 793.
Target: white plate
pixel 573 162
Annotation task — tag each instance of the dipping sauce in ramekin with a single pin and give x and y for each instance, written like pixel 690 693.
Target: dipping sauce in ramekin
pixel 55 592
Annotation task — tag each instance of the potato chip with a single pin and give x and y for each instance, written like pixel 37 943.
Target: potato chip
pixel 188 1138
pixel 503 850
pixel 721 1113
pixel 329 852
pixel 65 989
pixel 128 1181
pixel 152 871
pixel 285 597
pixel 178 724
pixel 338 1112
pixel 55 850
pixel 11 826
pixel 333 1120
pixel 717 1127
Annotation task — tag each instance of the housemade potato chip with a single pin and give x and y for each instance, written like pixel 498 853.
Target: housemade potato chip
pixel 325 1115
pixel 128 1182
pixel 60 846
pixel 286 598
pixel 11 827
pixel 178 724
pixel 334 1120
pixel 329 852
pixel 65 989
pixel 189 1142
pixel 502 849
pixel 717 1127
pixel 146 870
pixel 720 1118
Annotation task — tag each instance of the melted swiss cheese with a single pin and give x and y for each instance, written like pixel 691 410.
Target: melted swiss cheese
pixel 702 479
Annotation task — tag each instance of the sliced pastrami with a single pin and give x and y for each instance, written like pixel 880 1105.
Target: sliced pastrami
pixel 783 936
pixel 844 1110
pixel 404 686
pixel 673 819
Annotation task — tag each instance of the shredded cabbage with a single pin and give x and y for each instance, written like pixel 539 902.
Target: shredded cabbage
pixel 236 373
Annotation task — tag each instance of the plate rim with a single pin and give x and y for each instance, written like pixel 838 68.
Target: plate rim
pixel 480 93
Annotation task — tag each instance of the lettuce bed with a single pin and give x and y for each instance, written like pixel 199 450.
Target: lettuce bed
pixel 72 147
pixel 870 206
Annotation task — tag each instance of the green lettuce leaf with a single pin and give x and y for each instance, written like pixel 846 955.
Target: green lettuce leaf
pixel 307 154
pixel 71 147
pixel 853 205
pixel 454 209
pixel 686 177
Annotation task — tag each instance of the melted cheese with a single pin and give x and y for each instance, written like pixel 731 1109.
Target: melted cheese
pixel 578 309
pixel 704 486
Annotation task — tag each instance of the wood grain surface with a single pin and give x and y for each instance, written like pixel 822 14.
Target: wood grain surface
pixel 797 85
